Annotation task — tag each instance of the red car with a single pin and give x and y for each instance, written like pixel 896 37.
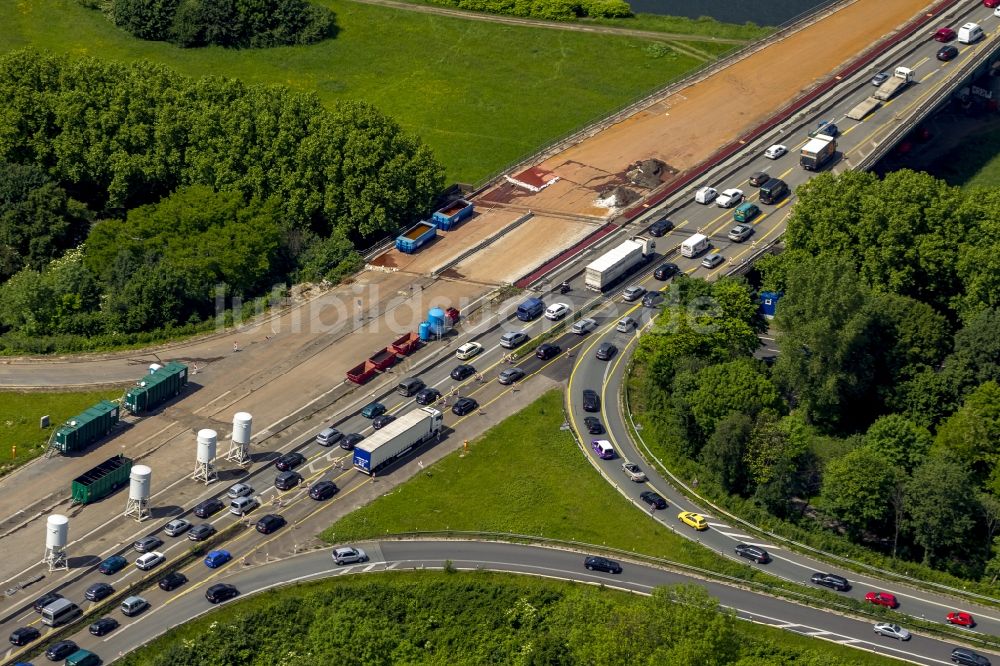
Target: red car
pixel 991 3
pixel 961 618
pixel 945 34
pixel 882 599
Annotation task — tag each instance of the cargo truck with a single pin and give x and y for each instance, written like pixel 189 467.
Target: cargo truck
pixel 603 271
pixel 396 438
pixel 155 389
pixel 101 481
pixel 453 214
pixel 899 80
pixel 817 152
pixel 416 237
pixel 83 430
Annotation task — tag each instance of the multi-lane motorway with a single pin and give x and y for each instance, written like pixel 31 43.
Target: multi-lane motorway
pixel 587 372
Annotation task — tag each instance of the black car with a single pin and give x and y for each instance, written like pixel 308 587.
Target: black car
pixel 660 227
pixel 652 299
pixel 220 592
pixel 147 544
pixel 287 480
pixel 103 626
pixel 98 591
pixel 428 396
pixel 947 53
pixel 832 581
pixel 382 421
pixel 967 657
pixel 44 600
pixel 24 635
pixel 758 178
pixel 593 425
pixel 755 553
pixel 269 523
pixel 201 532
pixel 290 460
pixel 547 350
pixel 60 650
pixel 172 581
pixel 462 371
pixel 596 563
pixel 323 490
pixel 666 271
pixel 591 401
pixel 654 500
pixel 463 406
pixel 208 507
pixel 351 440
pixel 605 351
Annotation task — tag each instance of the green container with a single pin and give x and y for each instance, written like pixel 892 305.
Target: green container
pixel 156 388
pixel 101 481
pixel 83 430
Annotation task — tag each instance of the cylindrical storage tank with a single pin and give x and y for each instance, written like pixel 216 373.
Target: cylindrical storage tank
pixel 424 331
pixel 437 321
pixel 242 426
pixel 139 478
pixel 207 440
pixel 56 532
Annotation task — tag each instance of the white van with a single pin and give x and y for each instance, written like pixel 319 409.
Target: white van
pixel 243 505
pixel 60 612
pixel 626 325
pixel 970 33
pixel 694 246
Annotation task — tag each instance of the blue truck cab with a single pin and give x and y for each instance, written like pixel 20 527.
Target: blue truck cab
pixel 530 309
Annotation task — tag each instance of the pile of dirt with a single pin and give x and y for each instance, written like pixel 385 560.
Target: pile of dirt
pixel 616 197
pixel 647 173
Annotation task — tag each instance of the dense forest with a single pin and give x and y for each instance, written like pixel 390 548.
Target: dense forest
pixel 475 619
pixel 229 23
pixel 132 197
pixel 879 421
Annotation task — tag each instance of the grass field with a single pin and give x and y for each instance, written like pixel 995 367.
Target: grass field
pixel 480 94
pixel 973 162
pixel 524 476
pixel 225 631
pixel 19 418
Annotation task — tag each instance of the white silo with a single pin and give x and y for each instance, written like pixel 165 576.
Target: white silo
pixel 56 538
pixel 239 447
pixel 204 466
pixel 138 492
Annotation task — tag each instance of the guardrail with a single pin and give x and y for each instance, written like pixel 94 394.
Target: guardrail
pixel 811 598
pixel 861 567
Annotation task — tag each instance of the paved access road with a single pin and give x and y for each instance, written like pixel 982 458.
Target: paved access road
pixel 188 603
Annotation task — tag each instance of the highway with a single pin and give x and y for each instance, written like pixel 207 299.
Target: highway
pixel 324 463
pixel 530 560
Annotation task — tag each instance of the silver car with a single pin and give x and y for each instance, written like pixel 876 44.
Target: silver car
pixel 177 527
pixel 348 555
pixel 712 260
pixel 510 375
pixel 892 631
pixel 633 293
pixel 584 326
pixel 740 233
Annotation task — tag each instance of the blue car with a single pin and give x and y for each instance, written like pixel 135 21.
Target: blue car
pixel 113 565
pixel 217 558
pixel 372 410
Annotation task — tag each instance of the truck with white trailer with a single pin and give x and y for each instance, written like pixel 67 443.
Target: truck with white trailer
pixel 397 438
pixel 603 271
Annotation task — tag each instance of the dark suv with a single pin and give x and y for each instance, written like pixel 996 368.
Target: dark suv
pixel 605 351
pixel 832 581
pixel 755 553
pixel 428 396
pixel 591 401
pixel 660 227
pixel 967 657
pixel 208 507
pixel 351 440
pixel 24 635
pixel 666 271
pixel 595 563
pixel 547 350
pixel 290 460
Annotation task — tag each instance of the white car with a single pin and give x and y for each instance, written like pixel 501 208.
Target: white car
pixel 149 560
pixel 240 490
pixel 729 198
pixel 633 471
pixel 584 326
pixel 775 151
pixel 468 350
pixel 348 555
pixel 892 631
pixel 556 311
pixel 705 195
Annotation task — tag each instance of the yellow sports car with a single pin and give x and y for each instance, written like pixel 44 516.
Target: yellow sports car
pixel 695 520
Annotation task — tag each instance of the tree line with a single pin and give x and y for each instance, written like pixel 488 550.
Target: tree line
pixel 228 23
pixel 879 421
pixel 473 619
pixel 557 10
pixel 128 192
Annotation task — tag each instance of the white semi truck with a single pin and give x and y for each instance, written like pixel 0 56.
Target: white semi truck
pixel 611 265
pixel 396 438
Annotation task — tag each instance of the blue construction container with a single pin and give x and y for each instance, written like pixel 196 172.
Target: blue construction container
pixel 415 237
pixel 769 303
pixel 453 214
